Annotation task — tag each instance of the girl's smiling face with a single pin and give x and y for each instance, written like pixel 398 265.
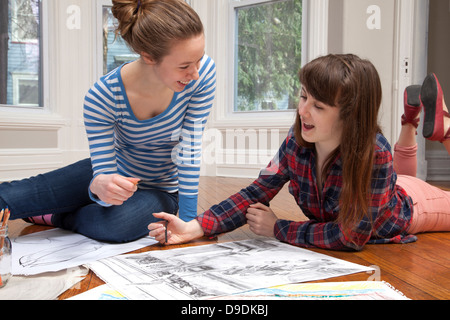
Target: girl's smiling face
pixel 321 123
pixel 182 64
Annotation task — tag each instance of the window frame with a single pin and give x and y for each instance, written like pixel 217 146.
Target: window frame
pixel 98 38
pixel 17 78
pixel 234 6
pixel 314 44
pixel 43 74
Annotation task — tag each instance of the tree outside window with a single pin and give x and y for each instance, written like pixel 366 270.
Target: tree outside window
pixel 268 52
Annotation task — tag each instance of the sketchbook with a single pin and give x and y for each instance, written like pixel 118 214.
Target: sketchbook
pixel 202 272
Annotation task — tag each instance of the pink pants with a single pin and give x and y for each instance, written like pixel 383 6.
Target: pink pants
pixel 431 204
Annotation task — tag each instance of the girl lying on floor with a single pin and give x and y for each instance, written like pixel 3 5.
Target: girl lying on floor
pixel 340 168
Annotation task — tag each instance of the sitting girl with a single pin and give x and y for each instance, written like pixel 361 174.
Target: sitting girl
pixel 144 122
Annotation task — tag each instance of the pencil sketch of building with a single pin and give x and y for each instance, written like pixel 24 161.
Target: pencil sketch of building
pixel 218 269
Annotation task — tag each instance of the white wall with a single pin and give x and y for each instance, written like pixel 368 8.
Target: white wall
pixel 393 35
pixel 439 63
pixel 376 44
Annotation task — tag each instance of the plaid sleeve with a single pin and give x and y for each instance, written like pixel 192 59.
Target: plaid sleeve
pixel 231 213
pixel 326 235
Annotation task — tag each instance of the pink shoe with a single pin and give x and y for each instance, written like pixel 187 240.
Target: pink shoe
pixel 432 100
pixel 412 105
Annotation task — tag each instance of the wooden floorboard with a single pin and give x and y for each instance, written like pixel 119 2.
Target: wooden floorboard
pixel 420 270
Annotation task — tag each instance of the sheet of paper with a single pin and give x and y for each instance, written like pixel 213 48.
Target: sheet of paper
pixel 352 290
pixel 218 269
pixel 58 249
pixel 45 286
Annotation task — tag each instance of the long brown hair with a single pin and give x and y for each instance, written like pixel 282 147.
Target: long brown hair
pixel 151 26
pixel 353 85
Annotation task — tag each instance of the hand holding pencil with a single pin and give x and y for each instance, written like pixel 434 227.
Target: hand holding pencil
pixel 114 189
pixel 172 230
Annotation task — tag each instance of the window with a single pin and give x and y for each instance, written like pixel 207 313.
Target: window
pixel 268 55
pixel 20 53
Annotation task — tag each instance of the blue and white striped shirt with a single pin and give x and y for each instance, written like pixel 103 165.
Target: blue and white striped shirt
pixel 164 151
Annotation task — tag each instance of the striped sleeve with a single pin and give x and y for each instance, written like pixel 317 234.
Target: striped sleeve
pixel 189 150
pixel 99 121
pixel 164 151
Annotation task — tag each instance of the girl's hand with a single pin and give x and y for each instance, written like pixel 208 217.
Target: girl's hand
pixel 261 220
pixel 178 231
pixel 113 188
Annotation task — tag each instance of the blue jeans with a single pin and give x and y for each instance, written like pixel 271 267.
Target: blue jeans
pixel 64 193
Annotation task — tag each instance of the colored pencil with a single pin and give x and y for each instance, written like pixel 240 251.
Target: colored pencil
pixel 4 217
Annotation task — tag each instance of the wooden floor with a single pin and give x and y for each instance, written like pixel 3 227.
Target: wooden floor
pixel 420 270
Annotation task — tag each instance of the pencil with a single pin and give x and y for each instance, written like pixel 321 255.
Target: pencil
pixel 1 241
pixel 167 223
pixel 4 221
pixel 5 217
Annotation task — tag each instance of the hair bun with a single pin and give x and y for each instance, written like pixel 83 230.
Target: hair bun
pixel 125 11
pixel 150 26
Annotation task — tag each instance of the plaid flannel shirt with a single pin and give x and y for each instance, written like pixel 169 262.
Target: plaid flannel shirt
pixel 390 207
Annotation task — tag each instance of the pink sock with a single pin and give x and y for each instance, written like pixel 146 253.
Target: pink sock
pixel 405 160
pixel 44 220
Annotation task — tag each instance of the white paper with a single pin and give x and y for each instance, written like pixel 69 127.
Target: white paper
pixel 218 269
pixel 46 286
pixel 58 249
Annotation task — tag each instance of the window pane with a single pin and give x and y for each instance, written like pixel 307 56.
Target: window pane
pixel 269 38
pixel 20 53
pixel 115 49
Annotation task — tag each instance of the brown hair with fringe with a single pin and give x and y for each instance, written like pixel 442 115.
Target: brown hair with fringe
pixel 353 85
pixel 152 26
